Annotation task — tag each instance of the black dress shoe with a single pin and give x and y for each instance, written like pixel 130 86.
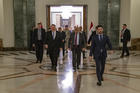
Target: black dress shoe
pixel 55 69
pixel 37 61
pixel 84 57
pixel 77 67
pixel 40 62
pixel 127 55
pixel 99 83
pixel 121 56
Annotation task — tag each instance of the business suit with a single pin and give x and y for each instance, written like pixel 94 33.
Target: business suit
pixel 39 42
pixel 63 36
pixel 76 48
pixel 126 36
pixel 99 51
pixel 54 44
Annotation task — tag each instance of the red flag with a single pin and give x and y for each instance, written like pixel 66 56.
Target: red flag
pixel 91 26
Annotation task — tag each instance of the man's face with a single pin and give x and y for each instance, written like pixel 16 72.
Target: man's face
pixel 77 29
pixel 39 26
pixel 124 27
pixel 66 28
pixel 59 29
pixel 100 30
pixel 53 28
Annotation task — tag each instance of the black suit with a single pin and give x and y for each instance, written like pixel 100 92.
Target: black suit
pixel 63 36
pixel 53 46
pixel 125 38
pixel 39 44
pixel 76 49
pixel 99 51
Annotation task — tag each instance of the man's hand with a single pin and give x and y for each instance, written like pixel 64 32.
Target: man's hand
pixel 90 58
pixel 63 40
pixel 111 52
pixel 33 45
pixel 61 49
pixel 68 49
pixel 83 49
pixel 46 46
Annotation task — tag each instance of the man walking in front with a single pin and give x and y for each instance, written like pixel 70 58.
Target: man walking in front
pixel 98 48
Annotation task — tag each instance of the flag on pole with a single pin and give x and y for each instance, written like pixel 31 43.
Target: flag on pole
pixel 90 29
pixel 91 26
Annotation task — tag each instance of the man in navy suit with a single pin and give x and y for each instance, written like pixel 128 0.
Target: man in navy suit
pixel 98 49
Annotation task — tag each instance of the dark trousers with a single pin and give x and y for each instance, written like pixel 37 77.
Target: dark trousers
pixel 39 50
pixel 84 54
pixel 125 48
pixel 63 49
pixel 76 56
pixel 100 66
pixel 53 53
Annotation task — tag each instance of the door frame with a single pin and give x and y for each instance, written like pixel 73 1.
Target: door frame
pixel 85 15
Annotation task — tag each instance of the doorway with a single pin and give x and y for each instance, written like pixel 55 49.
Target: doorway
pixel 71 15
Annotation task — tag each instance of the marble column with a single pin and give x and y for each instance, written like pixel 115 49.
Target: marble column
pixel 109 17
pixel 24 19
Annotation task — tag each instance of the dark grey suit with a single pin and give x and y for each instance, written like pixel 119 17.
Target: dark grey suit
pixel 76 49
pixel 98 48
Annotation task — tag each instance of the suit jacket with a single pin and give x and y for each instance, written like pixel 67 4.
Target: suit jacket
pixel 35 35
pixel 85 36
pixel 63 35
pixel 126 35
pixel 97 45
pixel 81 41
pixel 53 44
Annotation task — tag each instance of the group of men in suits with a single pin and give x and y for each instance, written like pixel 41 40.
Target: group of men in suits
pixel 55 40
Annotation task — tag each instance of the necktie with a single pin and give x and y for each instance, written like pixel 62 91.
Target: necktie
pixel 53 36
pixel 75 38
pixel 39 34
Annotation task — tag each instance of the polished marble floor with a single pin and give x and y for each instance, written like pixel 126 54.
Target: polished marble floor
pixel 20 74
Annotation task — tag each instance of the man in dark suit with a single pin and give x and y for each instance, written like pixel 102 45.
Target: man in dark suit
pixel 54 44
pixel 38 42
pixel 125 38
pixel 76 44
pixel 98 48
pixel 63 36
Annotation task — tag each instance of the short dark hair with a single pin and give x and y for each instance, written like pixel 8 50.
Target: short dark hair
pixel 124 24
pixel 99 26
pixel 39 23
pixel 66 26
pixel 53 25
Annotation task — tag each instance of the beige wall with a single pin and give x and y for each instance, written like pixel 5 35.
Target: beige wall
pixel 41 9
pixel 7 23
pixel 135 18
pixel 130 15
pixel 1 19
